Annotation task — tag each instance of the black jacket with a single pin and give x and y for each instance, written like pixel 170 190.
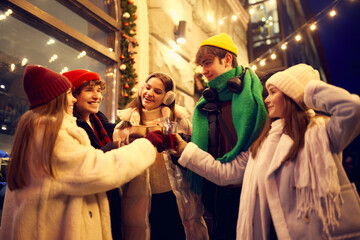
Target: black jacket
pixel 109 128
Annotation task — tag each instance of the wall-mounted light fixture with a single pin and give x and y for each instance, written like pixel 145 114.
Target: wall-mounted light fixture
pixel 180 33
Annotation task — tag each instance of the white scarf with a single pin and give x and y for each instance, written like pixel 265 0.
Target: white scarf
pixel 254 176
pixel 315 176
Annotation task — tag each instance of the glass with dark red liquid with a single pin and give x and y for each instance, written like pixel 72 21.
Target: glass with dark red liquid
pixel 170 130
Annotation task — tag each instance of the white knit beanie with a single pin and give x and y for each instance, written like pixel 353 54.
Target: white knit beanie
pixel 293 80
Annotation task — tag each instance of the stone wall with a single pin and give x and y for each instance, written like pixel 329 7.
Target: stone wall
pixel 201 18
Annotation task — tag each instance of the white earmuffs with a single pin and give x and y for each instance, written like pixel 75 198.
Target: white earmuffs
pixel 169 97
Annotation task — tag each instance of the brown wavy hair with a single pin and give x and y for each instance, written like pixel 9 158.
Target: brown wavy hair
pixel 214 52
pixel 295 124
pixel 136 103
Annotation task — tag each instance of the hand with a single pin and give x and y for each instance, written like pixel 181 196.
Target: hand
pixel 132 137
pixel 157 139
pixel 180 144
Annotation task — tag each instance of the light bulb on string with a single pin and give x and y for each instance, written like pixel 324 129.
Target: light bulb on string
pixel 253 67
pixel 283 46
pixel 298 37
pixel 273 56
pixel 221 22
pixel 332 13
pixel 234 17
pixel 262 62
pixel 313 26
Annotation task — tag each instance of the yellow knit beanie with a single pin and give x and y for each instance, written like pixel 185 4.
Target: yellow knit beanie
pixel 293 80
pixel 221 40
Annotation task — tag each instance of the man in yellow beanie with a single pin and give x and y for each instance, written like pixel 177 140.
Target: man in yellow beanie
pixel 226 120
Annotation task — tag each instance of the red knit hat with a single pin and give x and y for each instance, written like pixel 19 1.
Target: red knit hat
pixel 79 76
pixel 42 85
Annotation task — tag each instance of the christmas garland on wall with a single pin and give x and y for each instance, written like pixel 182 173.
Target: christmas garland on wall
pixel 128 76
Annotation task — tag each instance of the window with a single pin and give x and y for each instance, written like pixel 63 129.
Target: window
pixel 33 33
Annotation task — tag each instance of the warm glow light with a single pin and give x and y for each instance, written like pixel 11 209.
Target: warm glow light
pixel 65 69
pixel 181 40
pixel 210 18
pixel 254 67
pixel 24 61
pixel 53 58
pixel 2 17
pixel 252 11
pixel 263 19
pixel 298 37
pixel 234 17
pixel 273 56
pixel 50 42
pixel 12 67
pixel 332 13
pixel 283 46
pixel 313 27
pixel 262 62
pixel 221 22
pixel 111 50
pixel 2 86
pixel 82 54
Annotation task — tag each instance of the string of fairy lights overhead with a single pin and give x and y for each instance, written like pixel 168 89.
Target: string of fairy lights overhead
pixel 296 36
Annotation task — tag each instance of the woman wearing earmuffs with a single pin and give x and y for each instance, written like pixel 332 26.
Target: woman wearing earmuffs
pixel 158 204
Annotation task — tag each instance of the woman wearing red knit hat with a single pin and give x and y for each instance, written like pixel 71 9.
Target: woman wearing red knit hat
pixel 56 179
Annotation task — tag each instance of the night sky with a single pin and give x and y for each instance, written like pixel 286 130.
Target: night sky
pixel 340 38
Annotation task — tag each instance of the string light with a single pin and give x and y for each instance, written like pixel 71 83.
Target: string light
pixel 330 9
pixel 332 13
pixel 313 27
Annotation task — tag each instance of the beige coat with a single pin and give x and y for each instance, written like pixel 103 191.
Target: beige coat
pixel 136 200
pixel 74 205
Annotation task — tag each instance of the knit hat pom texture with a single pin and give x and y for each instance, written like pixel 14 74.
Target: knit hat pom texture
pixel 293 80
pixel 42 85
pixel 79 76
pixel 221 40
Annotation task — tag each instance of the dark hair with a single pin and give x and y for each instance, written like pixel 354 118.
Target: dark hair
pixel 295 125
pixel 214 52
pixel 97 82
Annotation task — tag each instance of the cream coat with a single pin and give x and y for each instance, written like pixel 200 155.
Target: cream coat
pixel 275 197
pixel 136 201
pixel 73 206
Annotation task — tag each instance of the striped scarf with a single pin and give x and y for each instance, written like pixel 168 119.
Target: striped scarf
pixel 99 130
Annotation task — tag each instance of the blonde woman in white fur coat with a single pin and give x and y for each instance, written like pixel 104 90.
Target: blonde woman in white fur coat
pixel 158 204
pixel 56 179
pixel 294 185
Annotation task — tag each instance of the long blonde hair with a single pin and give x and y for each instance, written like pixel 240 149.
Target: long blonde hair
pixel 50 116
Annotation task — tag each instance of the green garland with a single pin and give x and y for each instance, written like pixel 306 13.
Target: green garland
pixel 128 42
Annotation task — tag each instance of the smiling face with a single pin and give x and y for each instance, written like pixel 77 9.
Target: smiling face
pixel 152 93
pixel 88 100
pixel 275 102
pixel 70 101
pixel 213 66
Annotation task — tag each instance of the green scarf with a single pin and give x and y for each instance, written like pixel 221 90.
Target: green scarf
pixel 248 115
